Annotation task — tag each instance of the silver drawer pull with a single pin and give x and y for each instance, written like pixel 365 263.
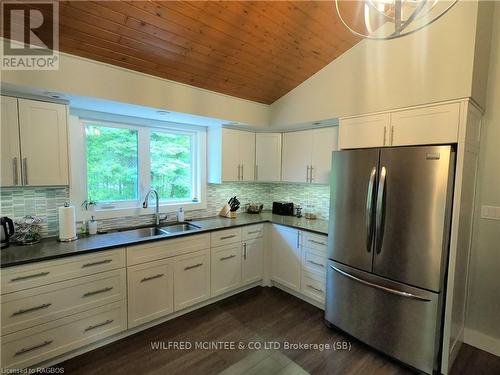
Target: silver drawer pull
pixel 228 257
pixel 227 237
pixel 89 328
pixel 318 242
pixel 34 347
pixel 314 288
pixel 24 311
pixel 20 278
pixel 316 263
pixel 97 263
pixel 254 232
pixel 193 266
pixel 152 277
pixel 103 290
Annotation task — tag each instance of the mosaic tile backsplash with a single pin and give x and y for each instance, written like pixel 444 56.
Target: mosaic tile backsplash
pixel 43 202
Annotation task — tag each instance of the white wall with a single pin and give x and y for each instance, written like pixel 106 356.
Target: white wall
pixel 431 65
pixel 483 313
pixel 84 77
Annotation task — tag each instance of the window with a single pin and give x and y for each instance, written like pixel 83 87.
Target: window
pixel 121 161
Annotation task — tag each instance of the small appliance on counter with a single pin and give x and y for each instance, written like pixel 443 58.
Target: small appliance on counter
pixel 283 208
pixel 254 208
pixel 7 230
pixel 230 208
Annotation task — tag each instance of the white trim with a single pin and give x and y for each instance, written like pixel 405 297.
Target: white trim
pixel 481 341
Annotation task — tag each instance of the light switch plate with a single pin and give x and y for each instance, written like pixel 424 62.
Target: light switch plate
pixel 490 212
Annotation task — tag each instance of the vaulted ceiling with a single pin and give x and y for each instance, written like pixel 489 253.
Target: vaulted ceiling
pixel 256 50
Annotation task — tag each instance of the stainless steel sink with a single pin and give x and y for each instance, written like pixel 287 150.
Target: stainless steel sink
pixel 144 232
pixel 180 227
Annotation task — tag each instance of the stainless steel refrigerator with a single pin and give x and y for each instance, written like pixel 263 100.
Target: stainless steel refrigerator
pixel 390 215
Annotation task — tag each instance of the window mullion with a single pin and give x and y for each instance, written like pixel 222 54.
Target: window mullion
pixel 144 162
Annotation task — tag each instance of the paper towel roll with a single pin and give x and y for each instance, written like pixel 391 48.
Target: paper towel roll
pixel 67 225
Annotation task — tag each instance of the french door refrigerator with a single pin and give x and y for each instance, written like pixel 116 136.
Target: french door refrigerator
pixel 388 248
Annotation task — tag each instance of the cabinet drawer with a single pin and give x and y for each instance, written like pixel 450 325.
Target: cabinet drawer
pixel 314 241
pixel 150 291
pixel 40 343
pixel 225 269
pixel 252 231
pixel 48 272
pixel 191 279
pixel 314 261
pixel 27 308
pixel 167 248
pixel 313 286
pixel 225 237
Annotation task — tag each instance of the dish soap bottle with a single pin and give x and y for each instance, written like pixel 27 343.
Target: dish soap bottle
pixel 180 215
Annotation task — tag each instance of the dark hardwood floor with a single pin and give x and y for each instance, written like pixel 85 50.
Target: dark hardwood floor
pixel 258 315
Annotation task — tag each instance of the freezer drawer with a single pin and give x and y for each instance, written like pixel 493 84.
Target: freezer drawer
pixel 398 320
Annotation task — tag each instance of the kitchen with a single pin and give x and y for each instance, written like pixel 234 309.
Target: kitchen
pixel 285 183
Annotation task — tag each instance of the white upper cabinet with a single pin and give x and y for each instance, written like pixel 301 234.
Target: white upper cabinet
pixel 436 124
pixel 268 157
pixel 307 155
pixel 10 151
pixel 231 155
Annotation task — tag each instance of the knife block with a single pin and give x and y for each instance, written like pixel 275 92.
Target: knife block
pixel 226 212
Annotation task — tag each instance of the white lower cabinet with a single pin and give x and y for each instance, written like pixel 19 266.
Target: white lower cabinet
pixel 313 285
pixel 191 279
pixel 150 291
pixel 286 256
pixel 226 268
pixel 252 262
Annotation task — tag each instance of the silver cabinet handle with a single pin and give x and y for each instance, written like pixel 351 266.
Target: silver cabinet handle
pixel 376 286
pixel 314 288
pixel 298 239
pixel 242 173
pixel 25 170
pixel 103 290
pixel 193 266
pixel 148 278
pixel 311 179
pixel 239 178
pixel 254 232
pixel 318 242
pixel 98 263
pixel 245 251
pixel 307 174
pixel 256 172
pixel 369 209
pixel 379 215
pixel 316 263
pixel 385 133
pixel 228 257
pixel 227 237
pixel 24 311
pixel 34 347
pixel 21 278
pixel 89 328
pixel 14 171
pixel 392 136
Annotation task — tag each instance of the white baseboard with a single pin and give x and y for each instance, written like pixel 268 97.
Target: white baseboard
pixel 481 341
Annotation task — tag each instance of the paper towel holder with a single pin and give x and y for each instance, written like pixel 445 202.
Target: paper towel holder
pixel 66 204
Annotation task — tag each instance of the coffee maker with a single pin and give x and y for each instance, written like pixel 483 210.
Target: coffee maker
pixel 6 231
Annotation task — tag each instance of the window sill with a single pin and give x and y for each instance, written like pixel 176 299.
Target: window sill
pixel 112 213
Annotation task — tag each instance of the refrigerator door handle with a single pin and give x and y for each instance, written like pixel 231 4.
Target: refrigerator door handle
pixel 369 210
pixel 376 286
pixel 379 216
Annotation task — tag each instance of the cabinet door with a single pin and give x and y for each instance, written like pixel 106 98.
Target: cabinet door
pixel 247 155
pixel 296 156
pixel 150 291
pixel 226 268
pixel 230 155
pixel 324 142
pixel 252 266
pixel 364 131
pixel 44 143
pixel 10 152
pixel 285 258
pixel 191 279
pixel 268 156
pixel 421 126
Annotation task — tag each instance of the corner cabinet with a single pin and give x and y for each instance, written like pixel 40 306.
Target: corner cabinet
pixel 307 155
pixel 286 256
pixel 434 124
pixel 34 143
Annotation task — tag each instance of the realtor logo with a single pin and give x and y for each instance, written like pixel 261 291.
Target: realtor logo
pixel 30 31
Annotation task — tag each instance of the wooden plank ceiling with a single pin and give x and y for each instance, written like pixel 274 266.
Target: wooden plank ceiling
pixel 256 50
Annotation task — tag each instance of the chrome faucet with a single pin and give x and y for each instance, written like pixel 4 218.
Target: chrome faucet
pixel 157 208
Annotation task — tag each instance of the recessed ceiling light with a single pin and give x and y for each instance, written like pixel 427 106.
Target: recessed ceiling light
pixel 54 95
pixel 162 112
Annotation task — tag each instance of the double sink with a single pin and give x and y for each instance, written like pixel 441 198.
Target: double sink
pixel 159 231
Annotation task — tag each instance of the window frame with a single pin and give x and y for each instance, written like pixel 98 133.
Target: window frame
pixel 113 209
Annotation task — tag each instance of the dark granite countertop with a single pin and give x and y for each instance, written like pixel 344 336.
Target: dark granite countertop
pixel 50 248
